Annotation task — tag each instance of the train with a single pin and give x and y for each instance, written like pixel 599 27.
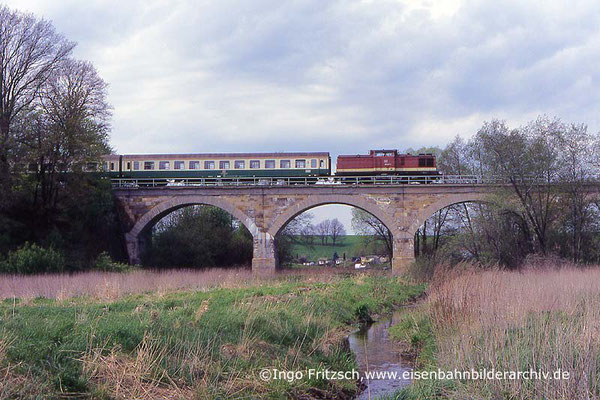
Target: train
pixel 268 165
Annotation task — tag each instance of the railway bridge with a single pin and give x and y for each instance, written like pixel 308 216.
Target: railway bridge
pixel 265 208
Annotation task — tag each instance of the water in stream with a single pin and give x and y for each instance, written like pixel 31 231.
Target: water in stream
pixel 374 351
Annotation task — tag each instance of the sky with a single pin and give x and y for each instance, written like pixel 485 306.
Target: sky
pixel 337 76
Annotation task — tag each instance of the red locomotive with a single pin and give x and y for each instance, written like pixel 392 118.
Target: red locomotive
pixel 386 162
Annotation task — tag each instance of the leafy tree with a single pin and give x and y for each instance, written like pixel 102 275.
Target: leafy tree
pixel 199 237
pixel 54 122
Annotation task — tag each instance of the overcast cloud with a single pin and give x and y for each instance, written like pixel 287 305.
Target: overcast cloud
pixel 338 76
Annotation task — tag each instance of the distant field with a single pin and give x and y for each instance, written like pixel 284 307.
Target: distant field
pixel 352 245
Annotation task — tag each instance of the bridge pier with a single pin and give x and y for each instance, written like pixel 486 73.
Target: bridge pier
pixel 404 255
pixel 136 244
pixel 264 259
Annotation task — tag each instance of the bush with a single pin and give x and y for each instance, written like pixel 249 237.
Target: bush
pixel 363 313
pixel 105 263
pixel 31 259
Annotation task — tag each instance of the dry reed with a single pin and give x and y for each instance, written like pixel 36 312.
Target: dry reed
pixel 112 285
pixel 544 319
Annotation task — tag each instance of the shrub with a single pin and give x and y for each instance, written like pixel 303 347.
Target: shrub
pixel 363 313
pixel 31 258
pixel 105 263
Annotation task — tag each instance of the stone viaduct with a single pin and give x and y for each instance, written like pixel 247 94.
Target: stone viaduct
pixel 265 210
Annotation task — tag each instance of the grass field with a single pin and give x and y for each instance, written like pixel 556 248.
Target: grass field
pixel 352 245
pixel 191 344
pixel 544 320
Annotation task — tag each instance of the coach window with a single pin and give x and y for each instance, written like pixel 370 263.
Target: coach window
pixel 104 166
pixel 164 165
pixel 285 164
pixel 223 164
pixel 300 163
pixel 129 165
pixel 209 165
pixel 254 164
pixel 194 164
pixel 321 164
pixel 136 165
pixel 148 165
pixel 112 166
pixel 239 164
pixel 178 164
pixel 313 163
pixel 269 164
pixel 90 166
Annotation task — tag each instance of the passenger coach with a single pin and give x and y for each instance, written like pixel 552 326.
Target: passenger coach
pixel 232 165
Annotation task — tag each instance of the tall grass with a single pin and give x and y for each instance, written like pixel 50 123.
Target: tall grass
pixel 543 318
pixel 112 285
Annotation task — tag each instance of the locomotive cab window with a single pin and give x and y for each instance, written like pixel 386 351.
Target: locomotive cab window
pixel 209 165
pixel 270 164
pixel 239 164
pixel 223 164
pixel 300 163
pixel 194 164
pixel 178 165
pixel 426 162
pixel 254 164
pixel 148 165
pixel 285 164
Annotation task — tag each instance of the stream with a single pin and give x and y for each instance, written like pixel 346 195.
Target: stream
pixel 374 351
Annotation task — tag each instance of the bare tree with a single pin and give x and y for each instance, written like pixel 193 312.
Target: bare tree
pixel 323 230
pixel 308 234
pixel 528 159
pixel 297 226
pixel 30 52
pixel 369 226
pixel 578 164
pixel 454 160
pixel 336 230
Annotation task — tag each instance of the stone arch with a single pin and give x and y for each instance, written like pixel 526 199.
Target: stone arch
pixel 175 203
pixel 357 201
pixel 443 202
pixel 134 239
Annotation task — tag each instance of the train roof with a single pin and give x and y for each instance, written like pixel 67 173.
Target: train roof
pixel 221 155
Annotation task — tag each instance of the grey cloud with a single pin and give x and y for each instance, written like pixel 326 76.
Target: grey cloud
pixel 342 76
